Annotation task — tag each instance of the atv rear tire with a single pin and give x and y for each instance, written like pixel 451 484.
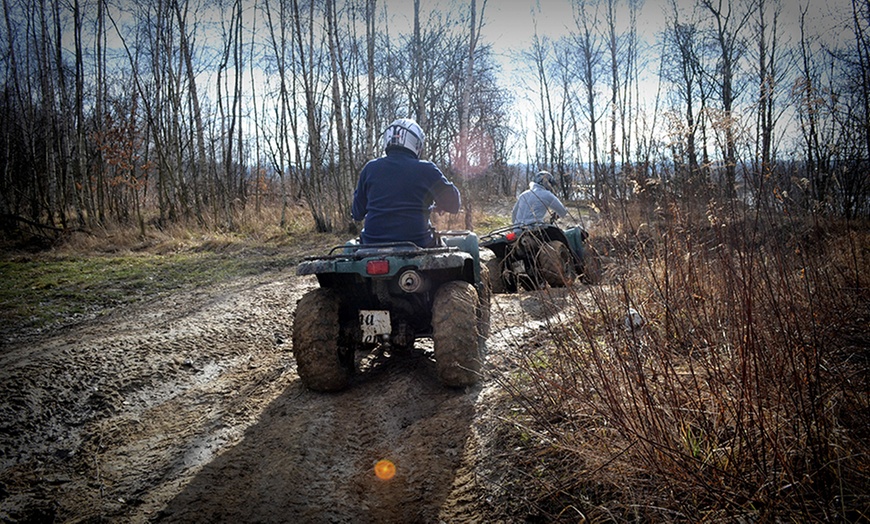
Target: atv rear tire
pixel 455 334
pixel 320 361
pixel 496 279
pixel 555 265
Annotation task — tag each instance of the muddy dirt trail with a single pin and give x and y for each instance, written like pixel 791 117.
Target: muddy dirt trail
pixel 188 409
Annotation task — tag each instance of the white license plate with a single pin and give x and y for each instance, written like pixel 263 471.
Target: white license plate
pixel 374 323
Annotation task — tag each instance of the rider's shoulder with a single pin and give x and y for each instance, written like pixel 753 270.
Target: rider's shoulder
pixel 375 161
pixel 426 166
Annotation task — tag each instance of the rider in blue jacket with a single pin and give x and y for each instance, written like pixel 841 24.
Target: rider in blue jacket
pixel 397 192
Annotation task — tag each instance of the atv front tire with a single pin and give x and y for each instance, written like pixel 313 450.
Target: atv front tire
pixel 555 265
pixel 321 363
pixel 455 334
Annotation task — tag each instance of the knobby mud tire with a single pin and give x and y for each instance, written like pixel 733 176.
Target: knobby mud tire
pixel 456 339
pixel 496 279
pixel 555 264
pixel 316 330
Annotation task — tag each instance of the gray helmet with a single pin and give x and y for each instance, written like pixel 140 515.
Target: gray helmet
pixel 404 132
pixel 545 179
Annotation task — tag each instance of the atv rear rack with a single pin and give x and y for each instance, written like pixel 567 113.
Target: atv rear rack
pixel 361 251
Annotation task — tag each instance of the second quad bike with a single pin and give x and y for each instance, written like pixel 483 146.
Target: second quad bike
pixel 532 256
pixel 374 295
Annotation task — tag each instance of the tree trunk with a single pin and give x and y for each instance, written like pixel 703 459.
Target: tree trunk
pixel 371 122
pixel 201 156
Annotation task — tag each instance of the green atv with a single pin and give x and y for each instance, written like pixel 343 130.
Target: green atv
pixel 389 295
pixel 533 256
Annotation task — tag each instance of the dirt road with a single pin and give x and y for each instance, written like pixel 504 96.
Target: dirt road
pixel 188 409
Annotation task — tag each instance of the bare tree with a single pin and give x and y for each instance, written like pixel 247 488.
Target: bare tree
pixel 465 107
pixel 280 45
pixel 417 71
pixel 309 62
pixel 229 137
pixel 622 49
pixel 589 64
pixel 199 158
pixel 19 189
pixel 613 48
pixel 810 114
pixel 544 117
pixel 681 41
pixel 83 187
pixel 728 27
pixel 861 29
pixel 343 172
pixel 371 115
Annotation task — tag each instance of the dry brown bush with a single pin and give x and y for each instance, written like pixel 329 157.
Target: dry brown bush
pixel 743 397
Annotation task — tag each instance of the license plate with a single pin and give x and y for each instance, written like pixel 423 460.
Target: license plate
pixel 374 323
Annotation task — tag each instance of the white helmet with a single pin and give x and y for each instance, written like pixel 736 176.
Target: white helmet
pixel 404 132
pixel 545 179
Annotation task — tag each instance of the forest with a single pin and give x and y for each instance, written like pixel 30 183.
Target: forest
pixel 202 112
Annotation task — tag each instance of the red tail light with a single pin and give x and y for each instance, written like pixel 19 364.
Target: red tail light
pixel 511 236
pixel 378 267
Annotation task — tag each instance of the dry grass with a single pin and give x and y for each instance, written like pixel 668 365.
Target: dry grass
pixel 249 227
pixel 49 283
pixel 743 397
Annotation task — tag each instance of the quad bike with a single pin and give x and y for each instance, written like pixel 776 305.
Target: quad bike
pixel 532 256
pixel 389 295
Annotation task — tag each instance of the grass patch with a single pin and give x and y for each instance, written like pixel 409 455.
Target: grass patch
pixel 42 292
pixel 81 275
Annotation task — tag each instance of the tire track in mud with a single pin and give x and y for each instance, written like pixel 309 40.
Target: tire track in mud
pixel 107 407
pixel 310 457
pixel 188 409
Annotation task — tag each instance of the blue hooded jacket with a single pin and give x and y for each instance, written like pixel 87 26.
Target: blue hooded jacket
pixel 395 195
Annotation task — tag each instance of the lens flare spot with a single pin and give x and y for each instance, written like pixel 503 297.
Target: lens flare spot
pixel 385 470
